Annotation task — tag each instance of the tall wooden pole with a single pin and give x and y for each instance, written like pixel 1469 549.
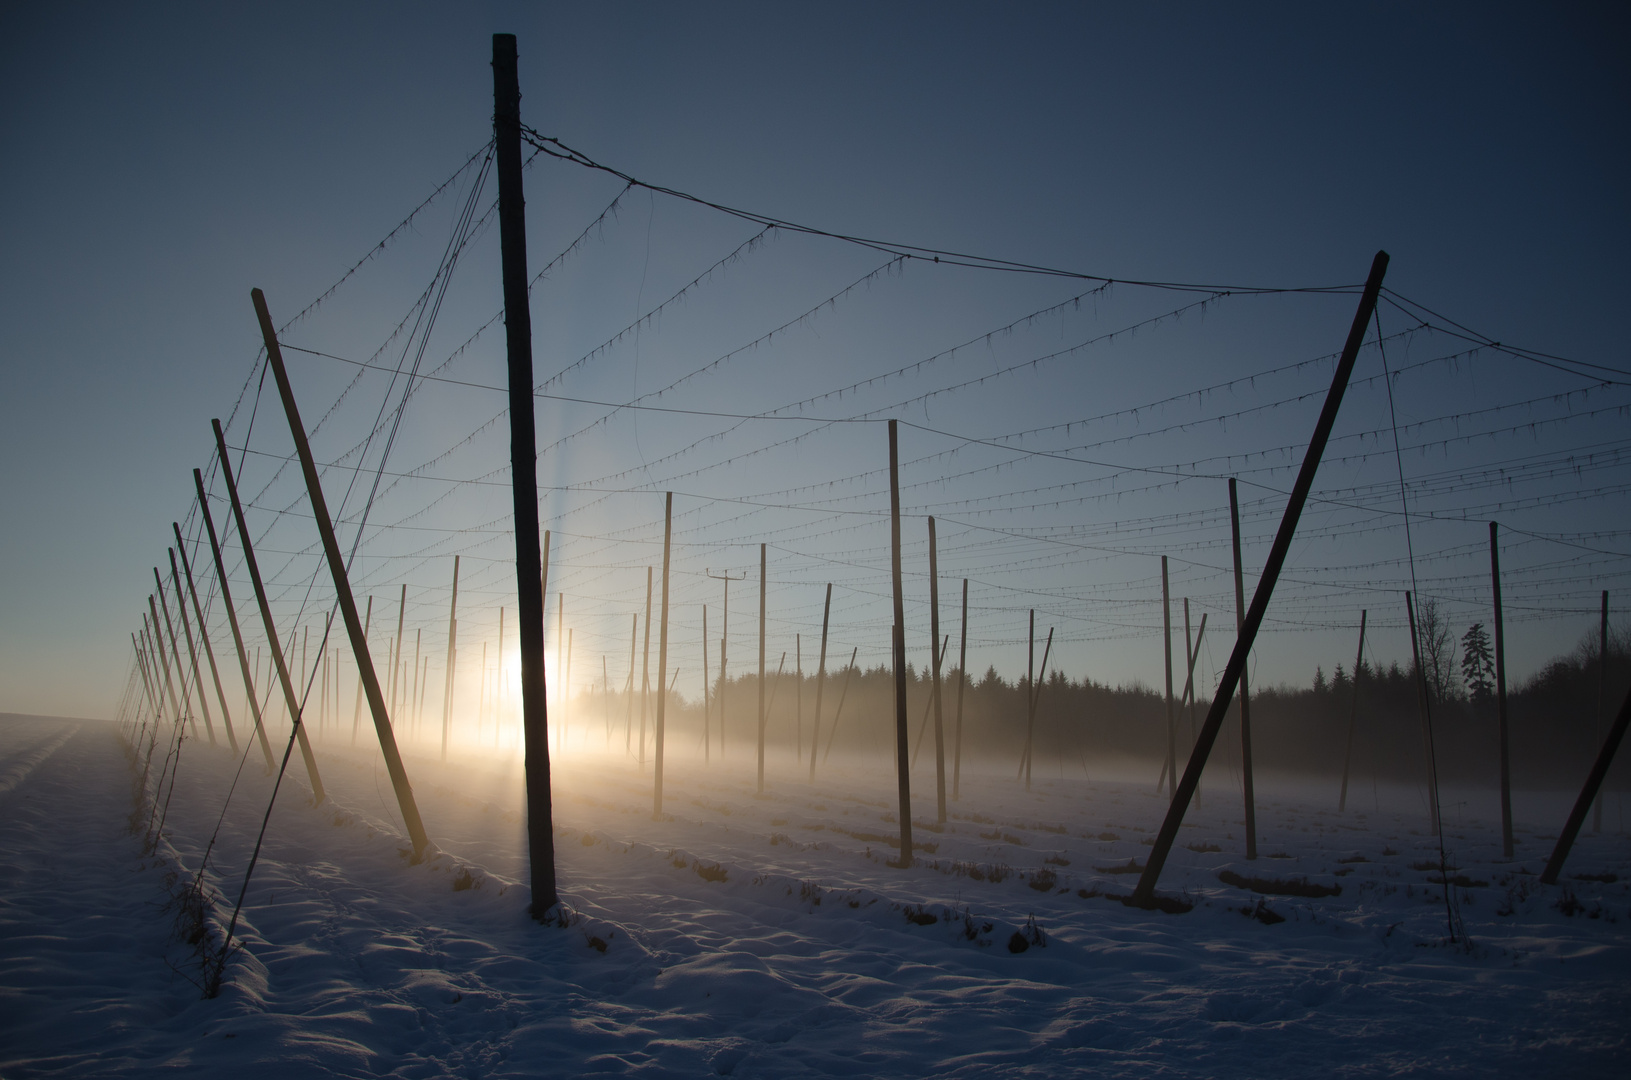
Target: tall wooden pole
pixel 761 785
pixel 232 619
pixel 798 696
pixel 902 766
pixel 204 638
pixel 452 640
pixel 645 671
pixel 342 587
pixel 1144 893
pixel 962 678
pixel 939 722
pixel 1500 694
pixel 1425 707
pixel 662 657
pixel 1245 697
pixel 1166 646
pixel 512 230
pixel 274 643
pixel 821 680
pixel 1602 691
pixel 192 652
pixel 1353 717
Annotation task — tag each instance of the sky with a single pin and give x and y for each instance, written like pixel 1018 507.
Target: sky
pixel 163 161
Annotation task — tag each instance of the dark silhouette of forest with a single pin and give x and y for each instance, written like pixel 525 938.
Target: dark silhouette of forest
pixel 1083 725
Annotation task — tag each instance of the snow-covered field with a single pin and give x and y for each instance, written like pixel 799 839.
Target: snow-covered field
pixel 751 936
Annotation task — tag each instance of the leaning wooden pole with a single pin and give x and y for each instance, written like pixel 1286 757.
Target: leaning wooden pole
pixel 342 588
pixel 902 765
pixel 1500 695
pixel 1144 894
pixel 821 681
pixel 452 641
pixel 232 621
pixel 272 639
pixel 1353 717
pixel 939 724
pixel 185 710
pixel 396 656
pixel 204 638
pixel 512 231
pixel 662 661
pixel 1247 793
pixel 192 651
pixel 1588 794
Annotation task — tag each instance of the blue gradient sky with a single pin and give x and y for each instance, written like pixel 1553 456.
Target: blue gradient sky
pixel 161 162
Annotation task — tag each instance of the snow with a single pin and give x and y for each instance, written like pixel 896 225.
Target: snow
pixel 768 936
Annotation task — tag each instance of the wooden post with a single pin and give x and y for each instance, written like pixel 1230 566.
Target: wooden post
pixel 342 586
pixel 192 652
pixel 645 671
pixel 1144 893
pixel 761 785
pixel 274 643
pixel 1602 690
pixel 962 677
pixel 232 619
pixel 1500 695
pixel 934 636
pixel 798 697
pixel 1588 793
pixel 204 637
pixel 452 639
pixel 707 747
pixel 1166 646
pixel 662 658
pixel 902 766
pixel 1353 717
pixel 1425 707
pixel 821 679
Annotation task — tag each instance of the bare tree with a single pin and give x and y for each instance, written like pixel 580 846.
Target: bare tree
pixel 1438 651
